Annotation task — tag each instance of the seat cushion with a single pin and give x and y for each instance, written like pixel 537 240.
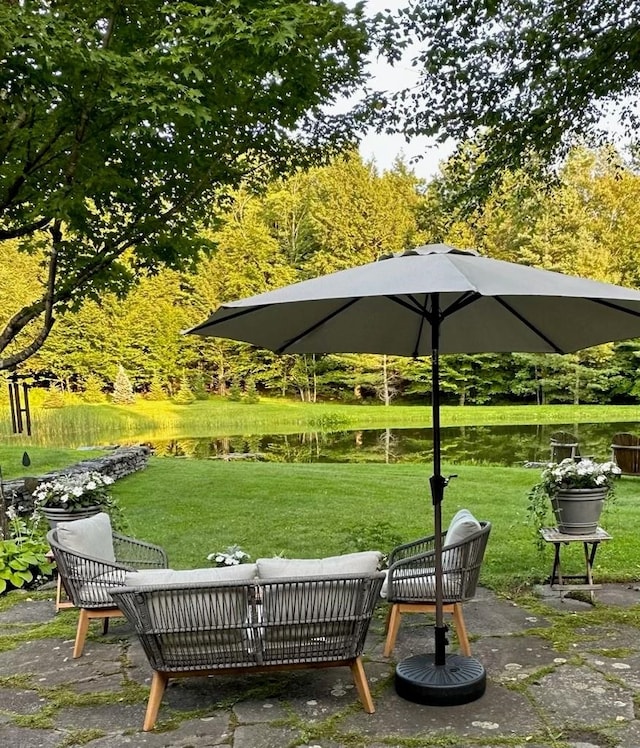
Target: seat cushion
pixel 411 585
pixel 88 537
pixel 239 572
pixel 364 562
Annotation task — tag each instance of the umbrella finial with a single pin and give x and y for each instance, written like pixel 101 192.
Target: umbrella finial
pixel 431 249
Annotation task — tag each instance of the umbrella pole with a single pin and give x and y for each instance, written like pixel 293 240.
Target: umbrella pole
pixel 439 679
pixel 437 483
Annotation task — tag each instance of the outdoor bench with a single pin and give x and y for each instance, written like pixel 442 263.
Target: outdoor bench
pixel 276 614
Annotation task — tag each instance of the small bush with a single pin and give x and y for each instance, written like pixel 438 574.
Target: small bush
pixel 54 398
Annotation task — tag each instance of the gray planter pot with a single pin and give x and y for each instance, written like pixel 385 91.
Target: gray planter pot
pixel 578 510
pixel 53 515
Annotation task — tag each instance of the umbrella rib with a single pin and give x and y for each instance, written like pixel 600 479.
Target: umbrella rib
pixel 460 303
pixel 319 323
pixel 617 307
pixel 235 315
pixel 528 324
pixel 416 308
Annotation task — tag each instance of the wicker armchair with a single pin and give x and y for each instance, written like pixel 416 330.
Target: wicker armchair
pixel 564 445
pixel 411 582
pixel 243 626
pixel 625 452
pixel 87 577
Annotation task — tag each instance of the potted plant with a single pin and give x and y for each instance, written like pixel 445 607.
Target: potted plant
pixel 576 491
pixel 73 496
pixel 231 556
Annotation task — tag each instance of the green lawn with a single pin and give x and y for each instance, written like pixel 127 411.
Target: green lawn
pixel 194 507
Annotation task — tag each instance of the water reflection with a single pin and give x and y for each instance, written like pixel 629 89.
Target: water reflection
pixel 495 445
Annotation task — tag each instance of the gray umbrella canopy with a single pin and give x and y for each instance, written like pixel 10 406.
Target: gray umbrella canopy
pixel 485 305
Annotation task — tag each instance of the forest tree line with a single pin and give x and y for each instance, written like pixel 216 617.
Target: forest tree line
pixel 336 216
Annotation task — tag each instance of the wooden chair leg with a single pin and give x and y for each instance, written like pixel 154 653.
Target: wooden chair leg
pixel 81 632
pixel 158 685
pixel 362 685
pixel 387 619
pixel 461 630
pixel 392 629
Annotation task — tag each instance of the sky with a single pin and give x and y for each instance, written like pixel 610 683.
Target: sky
pixel 384 149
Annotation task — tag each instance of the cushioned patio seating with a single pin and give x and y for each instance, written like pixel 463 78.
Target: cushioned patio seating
pixel 272 615
pixel 92 560
pixel 410 586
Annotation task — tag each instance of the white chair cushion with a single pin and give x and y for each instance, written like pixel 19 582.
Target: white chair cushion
pixel 88 537
pixel 365 562
pixel 463 526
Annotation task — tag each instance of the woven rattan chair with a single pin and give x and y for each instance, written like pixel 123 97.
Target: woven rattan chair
pixel 197 629
pixel 411 582
pixel 564 445
pixel 625 452
pixel 89 578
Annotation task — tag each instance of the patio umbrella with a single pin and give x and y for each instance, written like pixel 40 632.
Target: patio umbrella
pixel 431 300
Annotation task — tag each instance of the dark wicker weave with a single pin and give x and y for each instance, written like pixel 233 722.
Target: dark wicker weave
pixel 625 452
pixel 88 581
pixel 228 627
pixel 411 580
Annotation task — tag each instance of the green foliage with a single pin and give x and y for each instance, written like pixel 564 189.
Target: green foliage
pixel 93 392
pixel 22 553
pixel 123 131
pixel 122 389
pixel 527 76
pixel 198 387
pixel 156 390
pixel 235 393
pixel 251 396
pixel 22 561
pixel 55 397
pixel 184 395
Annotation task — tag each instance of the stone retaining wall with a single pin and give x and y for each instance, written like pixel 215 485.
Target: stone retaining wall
pixel 118 463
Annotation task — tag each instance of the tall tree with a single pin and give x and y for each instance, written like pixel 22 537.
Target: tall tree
pixel 524 75
pixel 119 122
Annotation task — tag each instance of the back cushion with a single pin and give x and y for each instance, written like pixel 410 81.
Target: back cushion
pixel 239 572
pixel 192 609
pixel 88 537
pixel 365 562
pixel 462 526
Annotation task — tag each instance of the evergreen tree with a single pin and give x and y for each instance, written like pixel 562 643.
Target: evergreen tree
pixel 156 390
pixel 122 388
pixel 93 392
pixel 251 392
pixel 184 395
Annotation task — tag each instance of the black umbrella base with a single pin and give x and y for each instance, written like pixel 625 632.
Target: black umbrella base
pixel 459 681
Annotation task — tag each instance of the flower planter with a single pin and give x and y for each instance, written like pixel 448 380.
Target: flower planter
pixel 578 510
pixel 53 515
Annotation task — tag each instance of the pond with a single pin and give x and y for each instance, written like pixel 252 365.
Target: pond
pixel 491 445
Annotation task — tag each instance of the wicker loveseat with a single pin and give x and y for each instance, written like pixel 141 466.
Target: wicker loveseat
pixel 272 615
